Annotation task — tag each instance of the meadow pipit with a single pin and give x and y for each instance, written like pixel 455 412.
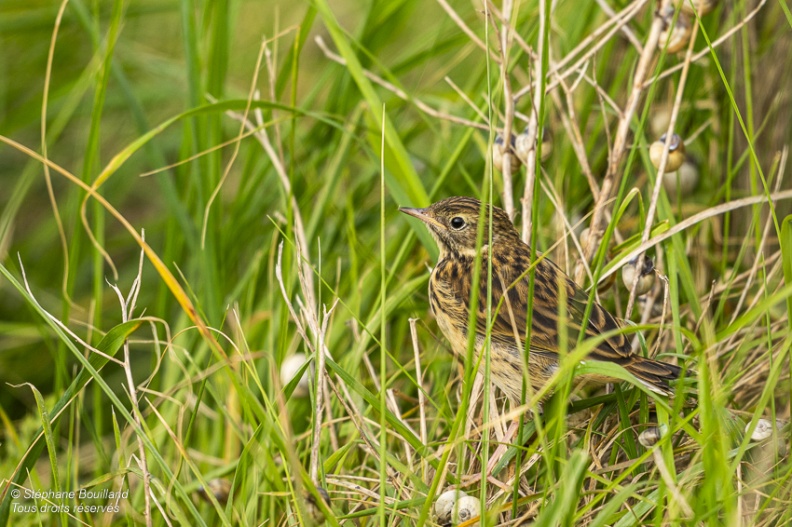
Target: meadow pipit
pixel 453 223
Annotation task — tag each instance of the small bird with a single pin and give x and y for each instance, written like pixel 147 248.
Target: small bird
pixel 453 222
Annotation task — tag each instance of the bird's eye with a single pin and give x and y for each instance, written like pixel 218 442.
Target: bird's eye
pixel 457 222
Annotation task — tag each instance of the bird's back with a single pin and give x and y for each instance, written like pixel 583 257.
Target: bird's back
pixel 449 293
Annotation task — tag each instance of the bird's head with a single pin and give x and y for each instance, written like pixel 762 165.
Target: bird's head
pixel 454 222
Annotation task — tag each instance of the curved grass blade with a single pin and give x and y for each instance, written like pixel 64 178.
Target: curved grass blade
pixel 109 345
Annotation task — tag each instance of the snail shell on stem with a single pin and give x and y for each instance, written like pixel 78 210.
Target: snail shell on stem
pixel 445 504
pixel 676 152
pixel 676 35
pixel 468 507
pixel 646 278
pixel 498 151
pixel 523 144
pixel 764 429
pixel 649 437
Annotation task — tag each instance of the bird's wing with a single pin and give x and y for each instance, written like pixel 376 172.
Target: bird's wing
pixel 509 321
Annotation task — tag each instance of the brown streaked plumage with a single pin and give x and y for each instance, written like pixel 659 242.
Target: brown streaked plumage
pixel 453 223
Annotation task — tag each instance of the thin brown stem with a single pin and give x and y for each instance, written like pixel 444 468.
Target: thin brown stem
pixel 661 169
pixel 620 145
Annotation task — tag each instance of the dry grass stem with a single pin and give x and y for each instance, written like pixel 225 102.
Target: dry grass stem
pixel 533 124
pixel 661 169
pixel 619 146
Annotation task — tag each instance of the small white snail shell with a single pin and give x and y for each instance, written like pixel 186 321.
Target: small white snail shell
pixel 679 32
pixel 649 437
pixel 646 279
pixel 469 507
pixel 676 152
pixel 498 149
pixel 290 367
pixel 685 179
pixel 445 503
pixel 763 430
pixel 523 144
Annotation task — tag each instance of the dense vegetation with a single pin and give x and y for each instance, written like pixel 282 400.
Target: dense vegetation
pixel 208 179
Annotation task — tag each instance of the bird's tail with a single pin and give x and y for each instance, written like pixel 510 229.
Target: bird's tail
pixel 654 374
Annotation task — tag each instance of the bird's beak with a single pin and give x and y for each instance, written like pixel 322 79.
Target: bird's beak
pixel 421 215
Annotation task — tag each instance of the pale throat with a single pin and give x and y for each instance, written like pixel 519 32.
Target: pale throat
pixel 460 250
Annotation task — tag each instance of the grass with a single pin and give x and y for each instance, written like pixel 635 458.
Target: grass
pixel 226 188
